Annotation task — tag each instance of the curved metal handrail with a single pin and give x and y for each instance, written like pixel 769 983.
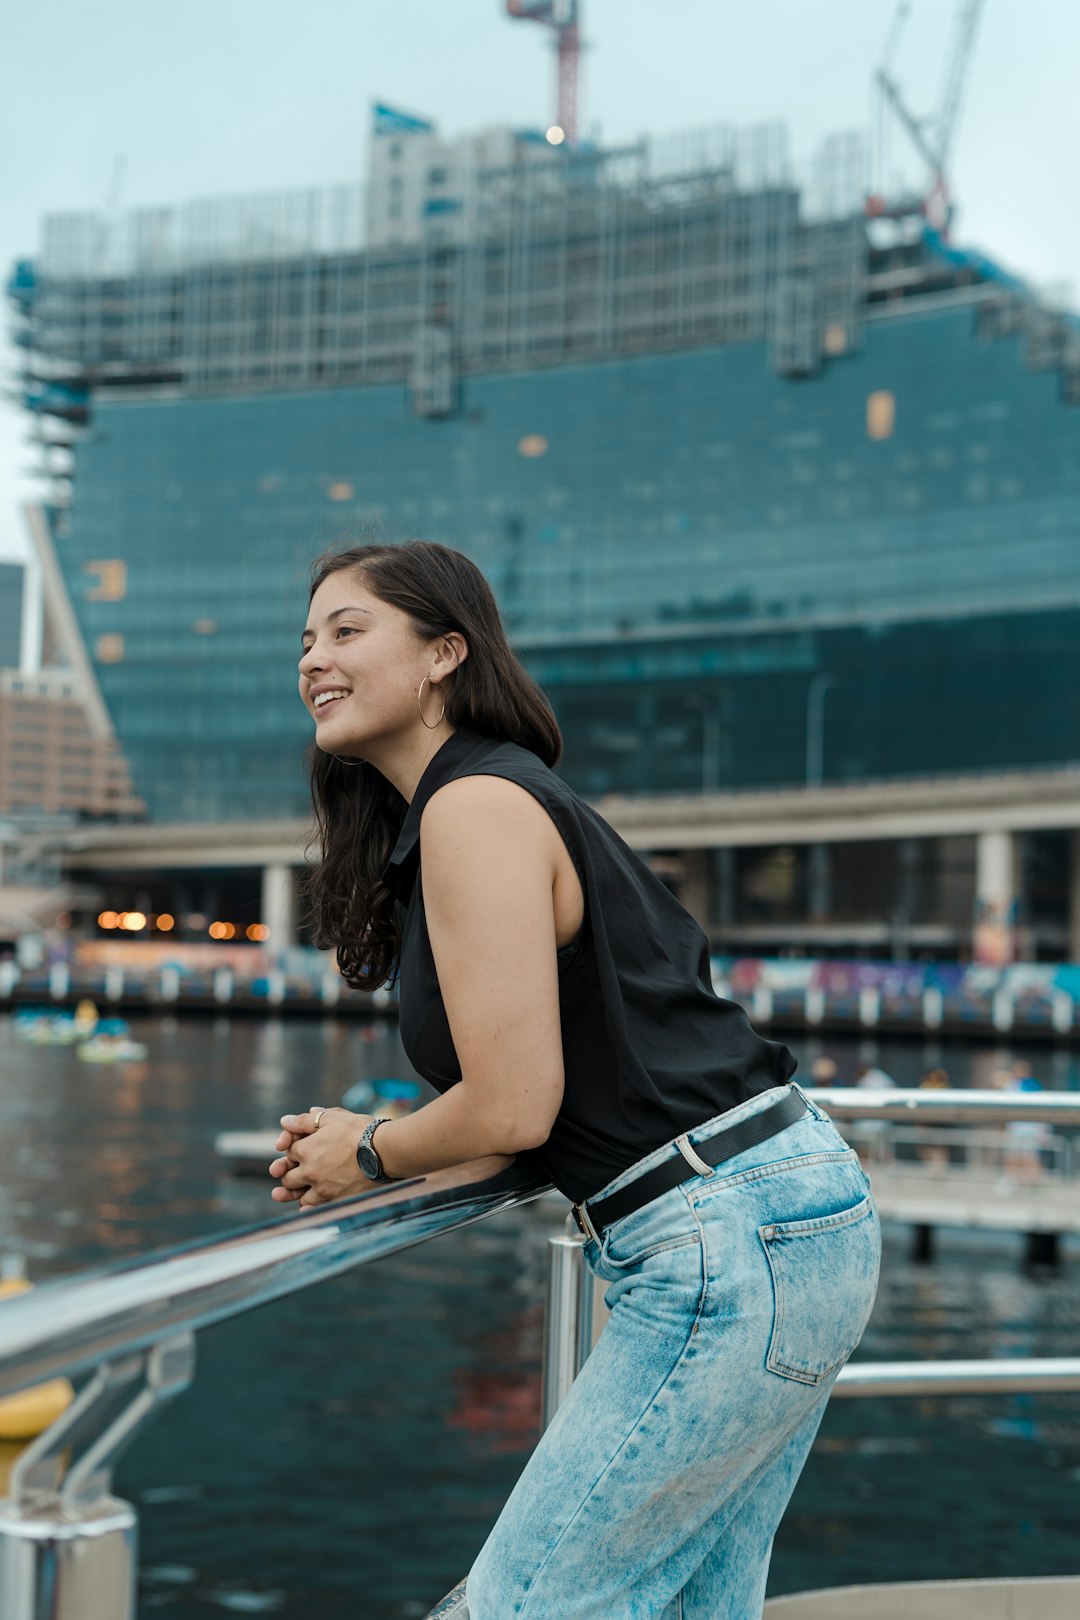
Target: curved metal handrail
pixel 1005 1375
pixel 954 1107
pixel 72 1324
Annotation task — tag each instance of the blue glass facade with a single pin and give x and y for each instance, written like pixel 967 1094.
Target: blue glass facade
pixel 12 584
pixel 680 543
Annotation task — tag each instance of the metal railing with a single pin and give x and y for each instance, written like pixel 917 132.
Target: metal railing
pixel 921 1151
pixel 64 1538
pixel 949 1106
pixel 134 1324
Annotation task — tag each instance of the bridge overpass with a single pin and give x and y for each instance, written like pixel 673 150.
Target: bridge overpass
pixel 684 835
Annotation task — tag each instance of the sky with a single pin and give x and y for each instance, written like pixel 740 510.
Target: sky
pixel 152 104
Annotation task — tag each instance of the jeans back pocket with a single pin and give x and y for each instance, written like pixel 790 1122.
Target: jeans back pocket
pixel 824 1274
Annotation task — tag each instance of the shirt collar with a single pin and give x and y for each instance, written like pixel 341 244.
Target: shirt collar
pixel 437 772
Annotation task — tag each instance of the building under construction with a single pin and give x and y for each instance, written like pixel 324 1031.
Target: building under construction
pixel 560 256
pixel 725 446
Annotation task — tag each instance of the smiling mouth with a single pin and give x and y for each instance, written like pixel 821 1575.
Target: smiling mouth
pixel 331 700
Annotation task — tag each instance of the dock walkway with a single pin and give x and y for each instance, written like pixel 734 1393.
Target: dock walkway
pixel 975 1197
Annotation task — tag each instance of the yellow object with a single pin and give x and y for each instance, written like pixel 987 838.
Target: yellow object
pixel 86 1015
pixel 30 1411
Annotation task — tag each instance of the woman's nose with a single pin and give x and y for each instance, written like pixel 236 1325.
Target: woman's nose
pixel 310 660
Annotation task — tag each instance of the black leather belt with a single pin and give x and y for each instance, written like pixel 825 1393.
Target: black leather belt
pixel 595 1215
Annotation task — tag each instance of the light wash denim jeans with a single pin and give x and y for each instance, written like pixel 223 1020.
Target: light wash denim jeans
pixel 735 1300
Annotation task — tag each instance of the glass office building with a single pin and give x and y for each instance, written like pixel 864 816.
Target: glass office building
pixel 758 492
pixel 12 586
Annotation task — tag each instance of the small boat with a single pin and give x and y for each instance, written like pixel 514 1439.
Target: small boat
pixel 42 1026
pixel 46 1029
pixel 112 1049
pixel 112 1043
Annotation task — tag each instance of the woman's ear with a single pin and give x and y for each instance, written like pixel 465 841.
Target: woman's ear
pixel 451 651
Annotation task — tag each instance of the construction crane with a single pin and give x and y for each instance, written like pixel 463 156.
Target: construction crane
pixel 932 136
pixel 564 18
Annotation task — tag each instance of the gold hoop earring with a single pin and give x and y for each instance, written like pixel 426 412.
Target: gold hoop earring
pixel 420 705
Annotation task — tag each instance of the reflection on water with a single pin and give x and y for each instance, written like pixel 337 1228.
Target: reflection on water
pixel 342 1454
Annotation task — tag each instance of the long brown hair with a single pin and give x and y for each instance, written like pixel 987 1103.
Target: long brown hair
pixel 358 814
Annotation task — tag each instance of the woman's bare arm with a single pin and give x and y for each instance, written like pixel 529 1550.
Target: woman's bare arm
pixel 491 856
pixel 489 853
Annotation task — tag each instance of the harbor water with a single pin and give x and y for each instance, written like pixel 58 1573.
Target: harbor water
pixel 342 1453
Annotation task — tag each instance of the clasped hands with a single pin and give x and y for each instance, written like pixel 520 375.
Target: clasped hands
pixel 318 1160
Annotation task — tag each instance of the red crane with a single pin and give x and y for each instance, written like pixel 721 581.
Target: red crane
pixel 563 17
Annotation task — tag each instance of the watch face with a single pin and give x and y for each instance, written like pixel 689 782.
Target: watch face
pixel 368 1160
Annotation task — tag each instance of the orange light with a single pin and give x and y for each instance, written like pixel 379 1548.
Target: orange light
pixel 880 414
pixel 108 919
pixel 257 931
pixel 217 930
pixel 165 922
pixel 230 930
pixel 532 445
pixel 133 921
pixel 109 648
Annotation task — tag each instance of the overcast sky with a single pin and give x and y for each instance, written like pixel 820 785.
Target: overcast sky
pixel 219 96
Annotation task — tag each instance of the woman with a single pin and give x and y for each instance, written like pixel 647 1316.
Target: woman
pixel 559 999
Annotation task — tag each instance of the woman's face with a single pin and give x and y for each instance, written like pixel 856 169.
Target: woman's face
pixel 362 667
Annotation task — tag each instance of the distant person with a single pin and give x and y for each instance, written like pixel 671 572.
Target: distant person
pixel 1027 1142
pixel 559 999
pixel 868 1077
pixel 875 1134
pixel 824 1071
pixel 935 1153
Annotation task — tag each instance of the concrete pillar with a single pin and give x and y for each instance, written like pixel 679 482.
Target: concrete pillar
pixel 1074 895
pixel 724 886
pixel 279 906
pixel 694 888
pixel 818 882
pixel 996 897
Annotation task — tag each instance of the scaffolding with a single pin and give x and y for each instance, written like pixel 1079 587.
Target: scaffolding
pixel 695 240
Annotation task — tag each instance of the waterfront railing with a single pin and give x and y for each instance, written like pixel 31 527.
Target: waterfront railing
pixel 133 1325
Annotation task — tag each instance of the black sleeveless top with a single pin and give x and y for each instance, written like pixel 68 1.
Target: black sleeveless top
pixel 649 1049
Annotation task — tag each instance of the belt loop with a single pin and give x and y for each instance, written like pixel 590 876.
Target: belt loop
pixel 581 1215
pixel 694 1160
pixel 818 1113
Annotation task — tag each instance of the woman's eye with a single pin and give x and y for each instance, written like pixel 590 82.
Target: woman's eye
pixel 345 630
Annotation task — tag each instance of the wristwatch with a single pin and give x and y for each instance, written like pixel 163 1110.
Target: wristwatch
pixel 367 1158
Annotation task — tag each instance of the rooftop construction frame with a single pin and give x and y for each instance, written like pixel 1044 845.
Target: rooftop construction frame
pixel 699 239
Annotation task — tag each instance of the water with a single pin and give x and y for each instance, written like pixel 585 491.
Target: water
pixel 343 1453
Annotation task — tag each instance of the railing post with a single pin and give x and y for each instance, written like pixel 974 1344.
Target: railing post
pixel 68 1550
pixel 574 1314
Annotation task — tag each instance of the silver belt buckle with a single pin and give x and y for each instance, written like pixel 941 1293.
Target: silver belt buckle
pixel 581 1216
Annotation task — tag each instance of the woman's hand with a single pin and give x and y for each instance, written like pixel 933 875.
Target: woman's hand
pixel 318 1162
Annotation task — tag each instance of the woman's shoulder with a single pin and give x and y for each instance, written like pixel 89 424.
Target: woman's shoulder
pixel 497 757
pixel 494 784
